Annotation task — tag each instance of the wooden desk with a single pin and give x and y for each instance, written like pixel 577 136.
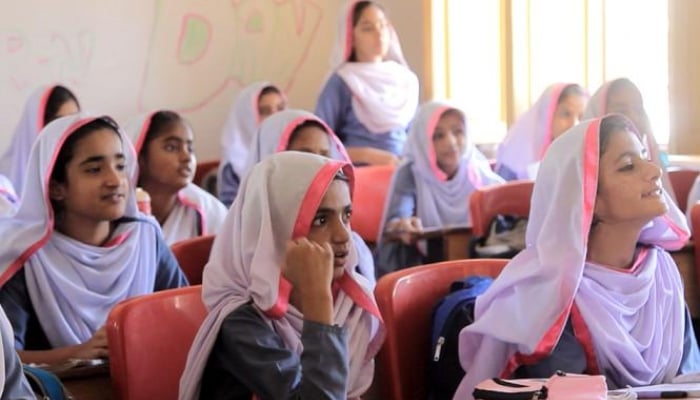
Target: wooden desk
pixel 455 241
pixel 88 383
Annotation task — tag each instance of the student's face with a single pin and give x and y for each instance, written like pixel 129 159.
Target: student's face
pixel 449 142
pixel 332 224
pixel 96 184
pixel 311 139
pixel 269 104
pixel 169 160
pixel 68 108
pixel 627 100
pixel 629 185
pixel 567 114
pixel 370 36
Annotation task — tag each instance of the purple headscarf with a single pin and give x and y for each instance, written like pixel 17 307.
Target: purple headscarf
pixel 385 94
pixel 531 134
pixel 630 322
pixel 240 127
pixel 13 163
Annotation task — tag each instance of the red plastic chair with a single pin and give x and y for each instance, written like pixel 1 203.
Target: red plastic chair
pixel 509 198
pixel 206 174
pixel 406 299
pixel 372 184
pixel 193 255
pixel 682 181
pixel 149 338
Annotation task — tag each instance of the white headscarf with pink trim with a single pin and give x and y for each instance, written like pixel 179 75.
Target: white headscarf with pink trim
pixel 245 265
pixel 441 202
pixel 385 94
pixel 72 285
pixel 241 126
pixel 9 201
pixel 196 212
pixel 13 163
pixel 273 137
pixel 635 317
pixel 531 134
pixel 276 131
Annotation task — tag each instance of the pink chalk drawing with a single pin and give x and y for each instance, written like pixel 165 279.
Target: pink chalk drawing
pixel 199 49
pixel 53 56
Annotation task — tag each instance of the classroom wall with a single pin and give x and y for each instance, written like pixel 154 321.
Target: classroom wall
pixel 123 57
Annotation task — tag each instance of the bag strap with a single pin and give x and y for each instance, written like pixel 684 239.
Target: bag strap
pixel 45 385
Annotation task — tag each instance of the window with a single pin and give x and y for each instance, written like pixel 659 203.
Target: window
pixel 494 58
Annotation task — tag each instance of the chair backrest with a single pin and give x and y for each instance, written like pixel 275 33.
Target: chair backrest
pixel 682 181
pixel 406 299
pixel 372 184
pixel 149 338
pixel 205 175
pixel 193 255
pixel 509 198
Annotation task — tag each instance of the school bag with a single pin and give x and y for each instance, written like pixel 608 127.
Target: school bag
pixel 505 238
pixel 452 313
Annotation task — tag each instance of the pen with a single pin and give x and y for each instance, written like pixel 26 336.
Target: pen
pixel 668 394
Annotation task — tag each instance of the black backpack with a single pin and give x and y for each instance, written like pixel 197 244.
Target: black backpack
pixel 452 313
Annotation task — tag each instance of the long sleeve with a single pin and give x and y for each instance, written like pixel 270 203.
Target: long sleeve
pixel 402 195
pixel 250 358
pixel 227 185
pixel 16 385
pixel 691 355
pixel 18 309
pixel 169 275
pixel 332 104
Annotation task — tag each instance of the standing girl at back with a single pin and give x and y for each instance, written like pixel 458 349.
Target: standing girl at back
pixel 371 97
pixel 42 107
pixel 165 149
pixel 255 103
pixel 77 245
pixel 559 108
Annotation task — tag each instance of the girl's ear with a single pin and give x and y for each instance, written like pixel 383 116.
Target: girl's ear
pixel 57 191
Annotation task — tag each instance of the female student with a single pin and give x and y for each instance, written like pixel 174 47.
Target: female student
pixel 622 96
pixel 595 291
pixel 42 107
pixel 295 130
pixel 77 244
pixel 302 131
pixel 255 103
pixel 559 108
pixel 432 186
pixel 289 317
pixel 371 97
pixel 165 149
